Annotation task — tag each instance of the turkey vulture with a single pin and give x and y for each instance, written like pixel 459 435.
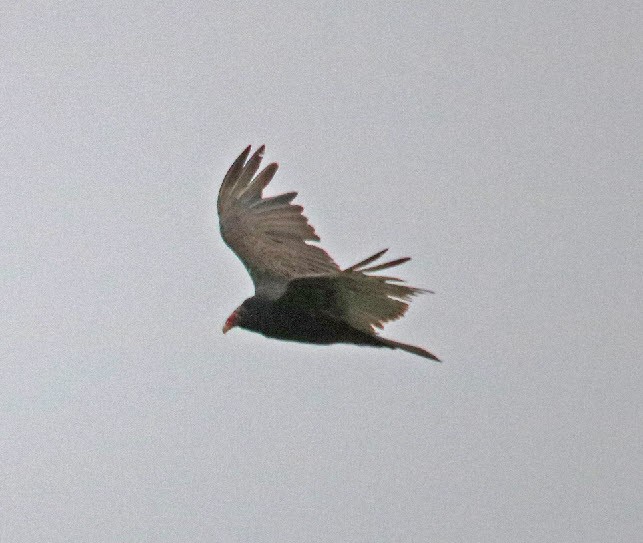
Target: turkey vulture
pixel 301 294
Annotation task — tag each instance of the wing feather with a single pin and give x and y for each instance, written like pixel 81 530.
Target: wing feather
pixel 269 235
pixel 364 301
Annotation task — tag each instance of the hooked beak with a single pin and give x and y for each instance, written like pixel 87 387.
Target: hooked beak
pixel 231 322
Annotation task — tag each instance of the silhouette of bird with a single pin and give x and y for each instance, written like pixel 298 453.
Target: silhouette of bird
pixel 301 294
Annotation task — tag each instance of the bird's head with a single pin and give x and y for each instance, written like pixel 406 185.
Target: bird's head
pixel 232 320
pixel 244 316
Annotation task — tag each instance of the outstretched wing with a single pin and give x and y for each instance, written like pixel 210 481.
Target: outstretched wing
pixel 364 301
pixel 269 235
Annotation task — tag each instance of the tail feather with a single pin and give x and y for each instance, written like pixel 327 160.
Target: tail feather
pixel 392 344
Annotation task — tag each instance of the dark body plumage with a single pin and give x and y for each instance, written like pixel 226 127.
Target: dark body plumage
pixel 281 320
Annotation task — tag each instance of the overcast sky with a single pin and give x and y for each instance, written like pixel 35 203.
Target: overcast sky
pixel 497 144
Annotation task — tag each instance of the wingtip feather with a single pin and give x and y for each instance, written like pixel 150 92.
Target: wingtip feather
pixel 413 349
pixel 366 261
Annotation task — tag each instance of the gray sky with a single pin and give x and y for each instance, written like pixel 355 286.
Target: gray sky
pixel 496 144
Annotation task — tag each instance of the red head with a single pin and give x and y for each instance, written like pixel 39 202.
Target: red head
pixel 231 321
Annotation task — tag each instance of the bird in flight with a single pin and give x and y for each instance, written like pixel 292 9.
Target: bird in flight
pixel 301 294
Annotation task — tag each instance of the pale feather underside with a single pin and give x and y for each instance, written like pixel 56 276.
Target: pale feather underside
pixel 269 235
pixel 364 301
